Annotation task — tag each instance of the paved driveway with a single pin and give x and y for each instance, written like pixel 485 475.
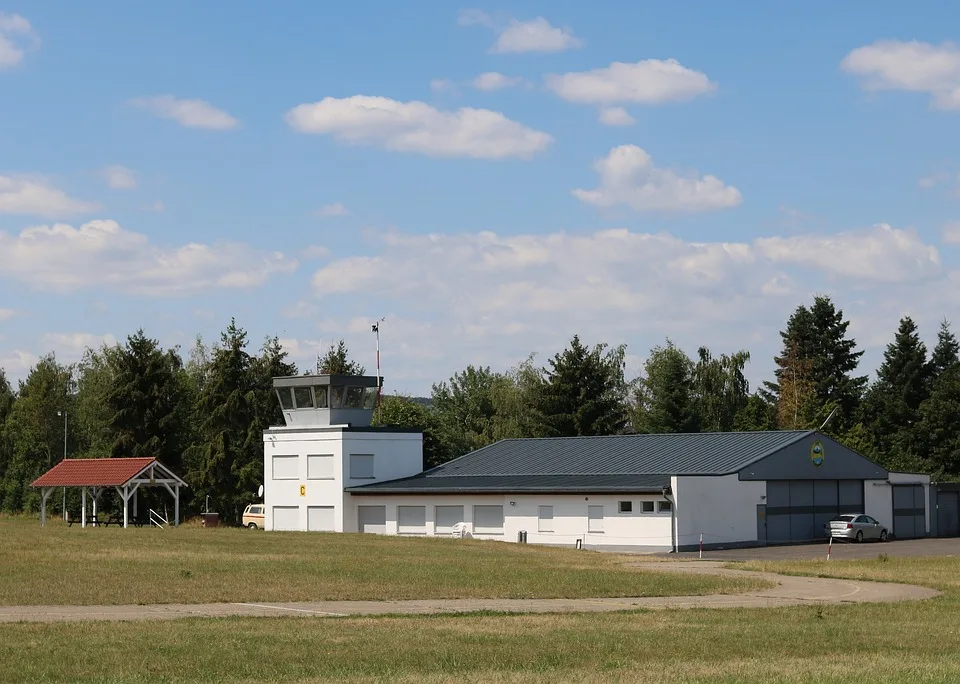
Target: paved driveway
pixel 841 550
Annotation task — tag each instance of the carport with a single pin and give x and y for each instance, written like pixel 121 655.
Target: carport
pixel 97 475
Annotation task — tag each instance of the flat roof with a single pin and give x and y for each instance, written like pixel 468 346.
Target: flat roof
pixel 339 380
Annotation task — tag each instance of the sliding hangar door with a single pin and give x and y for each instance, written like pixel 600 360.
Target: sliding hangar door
pixel 796 510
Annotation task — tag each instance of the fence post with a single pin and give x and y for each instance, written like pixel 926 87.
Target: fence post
pixel 701 546
pixel 829 547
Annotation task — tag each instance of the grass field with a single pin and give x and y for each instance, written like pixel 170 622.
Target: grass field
pixel 60 565
pixel 908 642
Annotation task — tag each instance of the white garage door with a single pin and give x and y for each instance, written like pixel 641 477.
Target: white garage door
pixel 372 519
pixel 320 519
pixel 286 518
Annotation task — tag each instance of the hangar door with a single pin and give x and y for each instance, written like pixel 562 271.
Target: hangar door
pixel 948 514
pixel 909 512
pixel 797 509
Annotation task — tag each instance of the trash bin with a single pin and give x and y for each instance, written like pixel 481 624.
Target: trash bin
pixel 522 536
pixel 210 519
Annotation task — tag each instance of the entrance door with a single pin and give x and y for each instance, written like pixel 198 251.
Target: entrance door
pixel 372 519
pixel 762 523
pixel 909 512
pixel 948 514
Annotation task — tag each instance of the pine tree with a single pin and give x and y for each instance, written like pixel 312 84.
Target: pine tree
pixel 940 428
pixel 337 362
pixel 946 354
pixel 583 392
pixel 665 396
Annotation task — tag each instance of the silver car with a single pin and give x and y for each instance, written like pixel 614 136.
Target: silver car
pixel 855 526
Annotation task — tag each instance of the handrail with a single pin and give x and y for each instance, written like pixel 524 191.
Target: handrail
pixel 157 519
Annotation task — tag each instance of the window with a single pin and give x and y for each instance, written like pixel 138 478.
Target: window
pixel 664 506
pixel 285 395
pixel 545 519
pixel 320 392
pixel 354 398
pixel 594 518
pixel 625 506
pixel 336 397
pixel 320 519
pixel 446 517
pixel 646 507
pixel 370 398
pixel 285 467
pixel 411 520
pixel 488 519
pixel 303 397
pixel 361 466
pixel 286 518
pixel 320 467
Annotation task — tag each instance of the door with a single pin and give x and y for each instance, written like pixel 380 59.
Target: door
pixel 909 512
pixel 762 523
pixel 372 519
pixel 948 514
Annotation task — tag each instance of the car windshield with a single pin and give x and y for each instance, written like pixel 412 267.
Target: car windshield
pixel 845 518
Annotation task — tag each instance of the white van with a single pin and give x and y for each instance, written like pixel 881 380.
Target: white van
pixel 253 516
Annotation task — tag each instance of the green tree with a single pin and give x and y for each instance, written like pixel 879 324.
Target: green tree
pixel 35 430
pixel 7 400
pixel 466 407
pixel 92 416
pixel 756 415
pixel 891 408
pixel 403 412
pixel 946 354
pixel 814 372
pixel 337 362
pixel 665 396
pixel 271 363
pixel 940 426
pixel 583 392
pixel 721 388
pixel 146 402
pixel 227 461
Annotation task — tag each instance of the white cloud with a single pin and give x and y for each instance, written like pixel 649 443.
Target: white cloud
pixel 439 85
pixel 616 116
pixel 188 113
pixel 16 363
pixel 157 207
pixel 35 197
pixel 7 314
pixel 933 179
pixel 120 177
pixel 102 254
pixel 650 81
pixel 534 35
pixel 16 37
pixel 418 127
pixel 911 66
pixel 951 233
pixel 335 209
pixel 492 80
pixel 301 309
pixel 71 346
pixel 628 176
pixel 520 293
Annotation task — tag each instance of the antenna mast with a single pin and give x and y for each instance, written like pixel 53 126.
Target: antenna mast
pixel 376 329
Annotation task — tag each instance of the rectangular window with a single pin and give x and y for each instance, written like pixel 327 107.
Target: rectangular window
pixel 320 392
pixel 545 519
pixel 286 518
pixel 303 397
pixel 664 506
pixel 625 506
pixel 320 467
pixel 594 518
pixel 446 518
pixel 320 519
pixel 285 467
pixel 411 520
pixel 370 398
pixel 361 466
pixel 354 398
pixel 285 395
pixel 488 519
pixel 336 397
pixel 646 507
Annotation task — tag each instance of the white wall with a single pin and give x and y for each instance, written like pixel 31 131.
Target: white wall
pixel 650 530
pixel 722 508
pixel 878 497
pixel 396 455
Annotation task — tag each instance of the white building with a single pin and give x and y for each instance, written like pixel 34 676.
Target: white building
pixel 328 470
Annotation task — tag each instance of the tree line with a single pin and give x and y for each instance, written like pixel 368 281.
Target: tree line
pixel 204 415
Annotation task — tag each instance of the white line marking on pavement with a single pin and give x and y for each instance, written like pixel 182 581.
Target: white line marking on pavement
pixel 296 610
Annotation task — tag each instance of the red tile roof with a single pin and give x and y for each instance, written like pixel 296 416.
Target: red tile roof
pixel 92 472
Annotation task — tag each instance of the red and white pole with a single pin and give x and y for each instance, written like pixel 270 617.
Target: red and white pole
pixel 829 547
pixel 701 546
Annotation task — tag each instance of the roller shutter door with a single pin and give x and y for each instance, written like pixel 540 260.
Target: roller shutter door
pixel 948 514
pixel 372 519
pixel 909 512
pixel 797 509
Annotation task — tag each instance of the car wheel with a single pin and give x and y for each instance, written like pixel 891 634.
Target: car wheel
pixel 252 526
pixel 883 535
pixel 859 536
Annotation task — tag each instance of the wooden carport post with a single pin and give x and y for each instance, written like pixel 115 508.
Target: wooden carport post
pixel 44 495
pixel 126 494
pixel 83 507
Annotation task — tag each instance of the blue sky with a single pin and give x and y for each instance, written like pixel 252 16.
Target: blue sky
pixel 491 178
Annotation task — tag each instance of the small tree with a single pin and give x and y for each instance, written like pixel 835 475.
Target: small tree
pixel 337 362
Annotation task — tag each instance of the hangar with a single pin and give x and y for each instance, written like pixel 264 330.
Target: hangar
pixel 327 469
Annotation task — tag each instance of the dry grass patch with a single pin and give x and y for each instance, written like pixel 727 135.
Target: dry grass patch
pixel 60 565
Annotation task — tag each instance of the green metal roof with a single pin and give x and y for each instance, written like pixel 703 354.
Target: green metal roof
pixel 622 461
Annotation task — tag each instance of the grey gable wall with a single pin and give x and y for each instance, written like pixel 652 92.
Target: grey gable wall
pixel 793 462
